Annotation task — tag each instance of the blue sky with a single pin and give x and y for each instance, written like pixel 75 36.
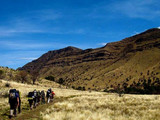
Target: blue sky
pixel 29 28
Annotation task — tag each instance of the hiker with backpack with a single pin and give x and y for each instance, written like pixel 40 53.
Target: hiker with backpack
pixel 48 95
pixel 30 99
pixel 52 95
pixel 19 107
pixel 35 98
pixel 38 97
pixel 13 101
pixel 42 97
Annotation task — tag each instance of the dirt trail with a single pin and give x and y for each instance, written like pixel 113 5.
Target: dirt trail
pixel 27 114
pixel 34 114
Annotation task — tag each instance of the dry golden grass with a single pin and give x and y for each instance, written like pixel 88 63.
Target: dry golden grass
pixel 25 88
pixel 84 105
pixel 102 106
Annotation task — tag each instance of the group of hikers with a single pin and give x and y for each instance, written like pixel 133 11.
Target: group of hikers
pixel 34 98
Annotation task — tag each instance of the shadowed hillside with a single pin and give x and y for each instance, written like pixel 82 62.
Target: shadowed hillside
pixel 126 63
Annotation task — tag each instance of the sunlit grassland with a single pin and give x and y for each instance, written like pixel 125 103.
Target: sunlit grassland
pixel 84 105
pixel 102 106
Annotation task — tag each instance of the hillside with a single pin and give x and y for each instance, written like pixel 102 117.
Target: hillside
pixel 125 63
pixel 8 73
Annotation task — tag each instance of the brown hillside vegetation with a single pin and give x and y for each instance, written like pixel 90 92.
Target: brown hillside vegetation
pixel 130 62
pixel 15 75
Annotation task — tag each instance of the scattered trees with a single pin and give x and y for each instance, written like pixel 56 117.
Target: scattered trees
pixel 34 76
pixel 144 86
pixel 150 85
pixel 81 88
pixel 23 77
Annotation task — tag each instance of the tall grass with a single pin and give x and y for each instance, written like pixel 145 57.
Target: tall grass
pixel 105 107
pixel 84 105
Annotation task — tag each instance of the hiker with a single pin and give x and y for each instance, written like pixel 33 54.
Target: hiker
pixel 48 95
pixel 52 95
pixel 19 107
pixel 13 101
pixel 38 97
pixel 30 99
pixel 42 97
pixel 35 98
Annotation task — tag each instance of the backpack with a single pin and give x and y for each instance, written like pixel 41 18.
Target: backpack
pixel 35 93
pixel 30 94
pixel 48 93
pixel 50 90
pixel 12 94
pixel 42 94
pixel 38 94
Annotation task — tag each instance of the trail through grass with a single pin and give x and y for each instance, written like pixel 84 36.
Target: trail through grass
pixel 34 114
pixel 83 105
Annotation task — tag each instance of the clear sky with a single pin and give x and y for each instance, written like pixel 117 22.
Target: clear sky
pixel 29 28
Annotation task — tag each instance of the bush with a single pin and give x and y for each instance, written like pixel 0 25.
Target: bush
pixel 105 90
pixel 79 88
pixel 84 88
pixel 23 77
pixel 1 73
pixel 61 81
pixel 50 78
pixel 7 85
pixel 73 87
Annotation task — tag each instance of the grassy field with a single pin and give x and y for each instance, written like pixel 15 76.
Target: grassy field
pixel 101 106
pixel 83 105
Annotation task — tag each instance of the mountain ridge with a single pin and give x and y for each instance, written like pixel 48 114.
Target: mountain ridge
pixel 103 67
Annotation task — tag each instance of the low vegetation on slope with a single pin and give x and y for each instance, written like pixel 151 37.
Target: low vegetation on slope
pixel 15 75
pixel 126 63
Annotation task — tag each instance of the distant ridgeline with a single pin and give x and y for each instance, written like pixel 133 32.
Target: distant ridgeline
pixel 131 65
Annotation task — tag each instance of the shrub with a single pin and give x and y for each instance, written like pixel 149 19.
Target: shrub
pixel 7 85
pixel 23 77
pixel 73 87
pixel 61 81
pixel 105 90
pixel 1 73
pixel 84 88
pixel 50 78
pixel 79 88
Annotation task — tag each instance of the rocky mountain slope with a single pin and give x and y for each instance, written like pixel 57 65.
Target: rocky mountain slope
pixel 124 62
